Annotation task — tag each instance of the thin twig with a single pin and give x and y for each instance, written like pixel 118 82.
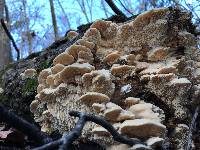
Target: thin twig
pixel 115 8
pixel 23 126
pixel 75 133
pixel 11 38
pixel 125 7
pixel 101 121
pixel 68 138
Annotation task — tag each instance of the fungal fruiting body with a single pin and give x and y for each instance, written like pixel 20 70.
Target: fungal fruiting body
pixel 138 56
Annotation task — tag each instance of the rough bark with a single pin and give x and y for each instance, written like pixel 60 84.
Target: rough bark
pixel 25 89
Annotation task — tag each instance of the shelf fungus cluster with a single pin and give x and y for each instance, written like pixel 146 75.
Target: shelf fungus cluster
pixel 108 71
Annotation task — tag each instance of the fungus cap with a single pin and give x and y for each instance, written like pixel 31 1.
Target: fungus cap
pixel 72 70
pixel 75 49
pixel 157 54
pixel 87 44
pixel 50 80
pixel 100 131
pixel 94 97
pixel 57 68
pixel 111 58
pixel 72 34
pixel 154 142
pixel 33 105
pixel 118 70
pixel 64 59
pixel 140 147
pixel 43 75
pixel 129 101
pixel 30 73
pixel 112 111
pixel 140 107
pixel 125 115
pixel 142 128
pixel 98 107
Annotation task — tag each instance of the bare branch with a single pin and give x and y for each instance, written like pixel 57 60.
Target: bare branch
pixel 11 38
pixel 115 9
pixel 68 138
pixel 23 126
pixel 125 7
pixel 101 121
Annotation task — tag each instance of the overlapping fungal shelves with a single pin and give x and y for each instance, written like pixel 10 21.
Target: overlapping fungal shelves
pixel 108 71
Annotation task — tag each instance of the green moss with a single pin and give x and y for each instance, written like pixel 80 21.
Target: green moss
pixel 30 87
pixel 3 99
pixel 43 65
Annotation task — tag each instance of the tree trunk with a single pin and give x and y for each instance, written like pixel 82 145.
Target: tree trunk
pixel 27 29
pixel 55 28
pixel 5 49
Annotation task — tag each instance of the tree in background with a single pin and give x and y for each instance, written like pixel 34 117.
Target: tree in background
pixel 53 17
pixel 35 24
pixel 5 48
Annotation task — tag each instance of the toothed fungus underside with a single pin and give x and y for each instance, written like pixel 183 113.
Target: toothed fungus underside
pixel 141 48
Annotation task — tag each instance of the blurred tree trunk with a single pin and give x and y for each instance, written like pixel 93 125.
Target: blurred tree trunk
pixel 5 49
pixel 27 29
pixel 65 15
pixel 53 16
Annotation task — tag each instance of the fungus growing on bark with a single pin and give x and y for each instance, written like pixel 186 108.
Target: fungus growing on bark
pixel 34 105
pixel 155 142
pixel 99 81
pixel 94 97
pixel 141 58
pixel 70 71
pixel 29 73
pixel 99 107
pixel 112 111
pixel 76 50
pixel 157 54
pixel 111 58
pixel 87 44
pixel 107 29
pixel 142 128
pixel 43 75
pixel 57 68
pixel 100 131
pixel 118 70
pixel 129 101
pixel 64 59
pixel 72 34
pixel 140 147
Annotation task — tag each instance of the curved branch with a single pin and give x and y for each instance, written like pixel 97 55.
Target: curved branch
pixel 115 8
pixel 68 138
pixel 11 38
pixel 23 126
pixel 101 121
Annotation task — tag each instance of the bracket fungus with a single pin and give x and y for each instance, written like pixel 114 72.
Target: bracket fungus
pixel 64 59
pixel 29 73
pixel 94 97
pixel 142 128
pixel 135 58
pixel 72 34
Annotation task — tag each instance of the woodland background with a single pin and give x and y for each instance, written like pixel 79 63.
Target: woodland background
pixel 35 24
